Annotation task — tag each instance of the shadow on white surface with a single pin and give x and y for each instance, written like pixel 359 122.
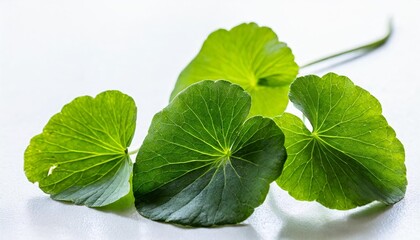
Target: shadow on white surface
pixel 51 219
pixel 325 224
pixel 60 220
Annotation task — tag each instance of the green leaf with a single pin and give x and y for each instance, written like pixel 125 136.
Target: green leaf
pixel 250 56
pixel 202 163
pixel 81 155
pixel 351 157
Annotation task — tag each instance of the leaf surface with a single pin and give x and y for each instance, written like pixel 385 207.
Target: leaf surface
pixel 202 163
pixel 250 56
pixel 351 157
pixel 81 155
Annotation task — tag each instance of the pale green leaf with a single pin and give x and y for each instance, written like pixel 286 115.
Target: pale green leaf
pixel 81 155
pixel 248 55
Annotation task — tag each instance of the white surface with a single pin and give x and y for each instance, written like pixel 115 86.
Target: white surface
pixel 54 51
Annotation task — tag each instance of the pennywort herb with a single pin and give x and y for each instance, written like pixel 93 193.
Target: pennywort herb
pixel 211 154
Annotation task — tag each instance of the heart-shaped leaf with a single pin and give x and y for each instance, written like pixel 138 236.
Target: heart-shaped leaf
pixel 81 155
pixel 202 163
pixel 250 56
pixel 351 157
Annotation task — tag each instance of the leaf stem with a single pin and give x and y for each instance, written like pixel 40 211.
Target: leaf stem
pixel 364 49
pixel 134 151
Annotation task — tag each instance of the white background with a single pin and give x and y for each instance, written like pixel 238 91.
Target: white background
pixel 53 51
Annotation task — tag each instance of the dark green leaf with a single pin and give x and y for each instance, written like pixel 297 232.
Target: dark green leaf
pixel 202 163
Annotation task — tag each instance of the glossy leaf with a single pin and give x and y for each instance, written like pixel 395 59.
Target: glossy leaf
pixel 81 155
pixel 351 157
pixel 202 163
pixel 248 55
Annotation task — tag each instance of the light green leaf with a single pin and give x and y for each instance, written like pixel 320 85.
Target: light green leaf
pixel 250 56
pixel 202 163
pixel 81 155
pixel 351 157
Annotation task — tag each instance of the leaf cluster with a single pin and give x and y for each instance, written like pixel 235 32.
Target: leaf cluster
pixel 210 155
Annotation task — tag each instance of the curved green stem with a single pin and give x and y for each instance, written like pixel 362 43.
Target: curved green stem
pixel 364 48
pixel 134 151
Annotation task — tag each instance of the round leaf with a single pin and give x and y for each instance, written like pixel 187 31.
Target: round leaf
pixel 248 55
pixel 351 157
pixel 81 155
pixel 202 163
